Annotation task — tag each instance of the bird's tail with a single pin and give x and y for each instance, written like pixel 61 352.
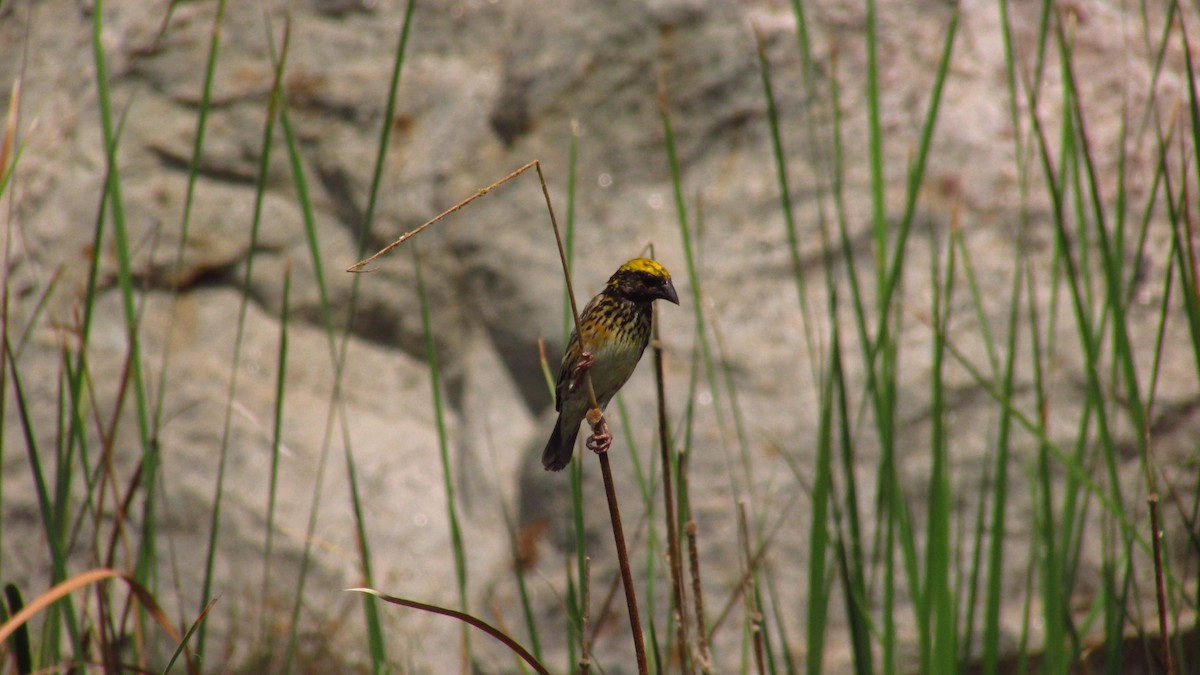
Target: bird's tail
pixel 557 454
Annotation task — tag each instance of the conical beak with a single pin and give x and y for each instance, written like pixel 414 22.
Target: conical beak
pixel 667 292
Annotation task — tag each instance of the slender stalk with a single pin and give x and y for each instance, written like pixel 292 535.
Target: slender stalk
pixel 697 595
pixel 375 638
pixel 818 590
pixel 1159 585
pixel 266 636
pixel 635 622
pixel 596 420
pixel 585 664
pixel 675 561
pixel 147 551
pixel 456 538
pixel 691 529
pixel 995 567
pixel 214 526
pixel 749 592
pixel 362 265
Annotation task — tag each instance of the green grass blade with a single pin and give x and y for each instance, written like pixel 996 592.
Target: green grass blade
pixel 147 553
pixel 266 636
pixel 375 637
pixel 1115 293
pixel 18 644
pixel 1182 230
pixel 937 606
pixel 999 490
pixel 193 173
pixel 737 488
pixel 578 521
pixel 850 557
pixel 518 564
pixel 574 603
pixel 336 412
pixel 916 176
pixel 875 150
pixel 889 275
pixel 370 609
pixel 881 375
pixel 385 129
pixel 785 201
pixel 818 599
pixel 239 335
pixel 54 535
pixel 278 59
pixel 777 616
pixel 456 540
pixel 289 655
pixel 179 649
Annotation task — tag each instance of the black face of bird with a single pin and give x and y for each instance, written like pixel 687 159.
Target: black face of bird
pixel 644 285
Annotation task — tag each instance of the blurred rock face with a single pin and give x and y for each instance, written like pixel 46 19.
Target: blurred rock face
pixel 487 86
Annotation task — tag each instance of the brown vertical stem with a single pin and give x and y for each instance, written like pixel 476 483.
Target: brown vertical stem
pixel 698 596
pixel 691 529
pixel 635 620
pixel 750 594
pixel 675 562
pixel 1160 585
pixel 610 491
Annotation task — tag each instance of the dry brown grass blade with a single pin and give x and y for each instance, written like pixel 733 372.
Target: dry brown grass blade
pixel 465 618
pixel 360 266
pixel 60 591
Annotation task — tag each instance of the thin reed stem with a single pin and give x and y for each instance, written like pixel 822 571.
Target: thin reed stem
pixel 749 593
pixel 698 596
pixel 675 562
pixel 1160 585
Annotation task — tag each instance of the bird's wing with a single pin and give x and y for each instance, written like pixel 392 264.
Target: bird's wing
pixel 571 356
pixel 564 371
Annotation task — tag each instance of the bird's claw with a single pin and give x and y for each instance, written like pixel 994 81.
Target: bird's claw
pixel 586 359
pixel 600 440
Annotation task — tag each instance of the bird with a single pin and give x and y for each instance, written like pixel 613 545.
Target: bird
pixel 616 330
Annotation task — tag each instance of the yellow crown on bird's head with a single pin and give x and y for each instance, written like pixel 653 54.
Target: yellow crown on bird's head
pixel 645 266
pixel 644 280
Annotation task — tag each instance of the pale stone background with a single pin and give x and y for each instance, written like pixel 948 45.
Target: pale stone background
pixel 487 86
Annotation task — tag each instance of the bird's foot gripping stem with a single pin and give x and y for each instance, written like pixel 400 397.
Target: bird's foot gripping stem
pixel 600 440
pixel 586 359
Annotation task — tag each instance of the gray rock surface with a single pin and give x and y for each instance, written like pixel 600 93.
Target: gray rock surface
pixel 487 86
